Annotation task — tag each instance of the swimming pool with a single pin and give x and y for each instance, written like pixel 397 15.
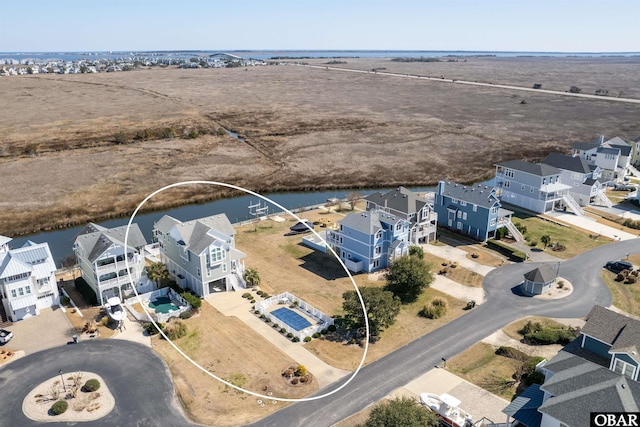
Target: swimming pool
pixel 291 318
pixel 162 305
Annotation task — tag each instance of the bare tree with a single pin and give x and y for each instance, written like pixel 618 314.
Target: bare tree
pixel 70 263
pixel 353 197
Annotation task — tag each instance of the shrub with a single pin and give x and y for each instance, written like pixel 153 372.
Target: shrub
pixel 168 133
pixel 511 353
pixel 193 300
pixel 289 335
pixel 331 328
pixel 535 377
pixel 283 330
pixel 475 255
pixel 252 301
pixel 506 250
pixel 59 407
pixel 530 327
pixel 295 339
pixel 65 300
pixel 436 309
pixel 300 371
pixel 294 381
pixel 551 336
pixel 120 138
pixel 104 321
pixel 307 339
pixel 316 335
pixel 324 332
pixel 186 315
pixel 259 292
pixel 91 385
pixel 151 328
pixel 265 295
pixel 246 295
pixel 175 329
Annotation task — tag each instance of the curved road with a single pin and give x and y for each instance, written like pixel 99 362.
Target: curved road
pixel 136 376
pixel 503 306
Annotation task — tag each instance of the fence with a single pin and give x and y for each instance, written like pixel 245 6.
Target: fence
pixel 322 320
pixel 150 296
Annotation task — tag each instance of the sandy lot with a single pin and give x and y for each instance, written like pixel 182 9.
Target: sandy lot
pixel 303 128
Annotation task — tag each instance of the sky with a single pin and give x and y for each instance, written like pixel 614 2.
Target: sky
pixel 486 25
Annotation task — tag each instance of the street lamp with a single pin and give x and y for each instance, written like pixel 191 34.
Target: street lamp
pixel 63 385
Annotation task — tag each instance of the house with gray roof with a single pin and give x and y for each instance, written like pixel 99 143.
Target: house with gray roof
pixel 101 253
pixel 583 178
pixel 541 279
pixel 597 372
pixel 370 240
pixel 612 156
pixel 201 253
pixel 404 203
pixel 537 187
pixel 473 210
pixel 27 279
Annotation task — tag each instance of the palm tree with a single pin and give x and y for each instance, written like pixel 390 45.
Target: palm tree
pixel 545 239
pixel 157 272
pixel 252 277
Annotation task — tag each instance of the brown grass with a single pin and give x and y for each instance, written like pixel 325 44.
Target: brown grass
pixel 458 274
pixel 513 329
pixel 626 297
pixel 228 348
pixel 304 128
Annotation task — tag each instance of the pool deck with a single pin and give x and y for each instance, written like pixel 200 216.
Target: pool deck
pixel 313 321
pixel 232 304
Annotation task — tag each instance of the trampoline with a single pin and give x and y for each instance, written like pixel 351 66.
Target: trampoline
pixel 291 318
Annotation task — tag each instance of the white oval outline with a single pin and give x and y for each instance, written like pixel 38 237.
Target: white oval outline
pixel 193 362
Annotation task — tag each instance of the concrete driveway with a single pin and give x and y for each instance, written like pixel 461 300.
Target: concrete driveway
pixel 51 328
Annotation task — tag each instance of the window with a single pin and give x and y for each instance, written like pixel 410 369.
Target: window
pixel 378 250
pixel 509 173
pixel 624 368
pixel 463 203
pixel 27 289
pixel 376 263
pixel 13 293
pixel 494 210
pixel 450 223
pixel 454 201
pixel 21 291
pixel 464 216
pixel 475 207
pixel 459 225
pixel 198 271
pixel 399 226
pixel 43 281
pixel 224 268
pixel 217 255
pixel 506 184
pixel 459 215
pixel 493 222
pixel 522 187
pixel 348 256
pixel 340 239
pixel 531 190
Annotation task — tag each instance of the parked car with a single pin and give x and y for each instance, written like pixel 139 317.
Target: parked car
pixel 5 336
pixel 618 266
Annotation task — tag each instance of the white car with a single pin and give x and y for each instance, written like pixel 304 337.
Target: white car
pixel 5 336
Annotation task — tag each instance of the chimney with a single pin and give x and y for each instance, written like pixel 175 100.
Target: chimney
pixel 441 187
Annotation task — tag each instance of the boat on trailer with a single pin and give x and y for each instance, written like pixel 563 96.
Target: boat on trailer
pixel 447 409
pixel 115 310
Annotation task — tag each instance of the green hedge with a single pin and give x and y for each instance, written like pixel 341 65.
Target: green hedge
pixel 507 250
pixel 91 385
pixel 59 407
pixel 86 291
pixel 193 300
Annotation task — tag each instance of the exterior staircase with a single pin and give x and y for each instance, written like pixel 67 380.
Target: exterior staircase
pixel 572 204
pixel 602 198
pixel 236 282
pixel 633 171
pixel 515 233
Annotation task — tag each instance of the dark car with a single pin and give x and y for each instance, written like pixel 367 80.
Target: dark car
pixel 618 266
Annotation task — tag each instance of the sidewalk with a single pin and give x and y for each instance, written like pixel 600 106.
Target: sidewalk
pixel 232 304
pixel 132 331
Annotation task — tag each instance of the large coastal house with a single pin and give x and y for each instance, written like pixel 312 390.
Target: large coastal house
pixel 370 240
pixel 201 253
pixel 472 210
pixel 101 254
pixel 583 178
pixel 27 279
pixel 597 372
pixel 612 156
pixel 407 205
pixel 533 186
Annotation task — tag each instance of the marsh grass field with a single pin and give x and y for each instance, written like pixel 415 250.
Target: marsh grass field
pixel 75 148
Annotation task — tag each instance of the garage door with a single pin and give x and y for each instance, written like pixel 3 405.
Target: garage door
pixel 45 301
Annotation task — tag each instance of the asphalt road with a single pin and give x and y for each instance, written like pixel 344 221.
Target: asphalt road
pixel 138 379
pixel 502 307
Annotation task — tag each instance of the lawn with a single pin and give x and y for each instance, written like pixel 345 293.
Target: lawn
pixel 481 366
pixel 575 240
pixel 626 297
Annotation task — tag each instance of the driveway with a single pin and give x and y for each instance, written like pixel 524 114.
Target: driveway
pixel 51 328
pixel 502 307
pixel 137 377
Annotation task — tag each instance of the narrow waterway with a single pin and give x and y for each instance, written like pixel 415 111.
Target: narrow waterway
pixel 236 209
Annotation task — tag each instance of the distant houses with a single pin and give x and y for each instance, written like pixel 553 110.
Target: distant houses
pixel 201 253
pixel 101 254
pixel 27 279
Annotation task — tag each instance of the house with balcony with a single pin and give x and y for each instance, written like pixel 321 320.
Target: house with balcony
pixel 201 253
pixel 472 210
pixel 582 177
pixel 612 156
pixel 533 186
pixel 101 253
pixel 404 203
pixel 370 240
pixel 597 372
pixel 27 279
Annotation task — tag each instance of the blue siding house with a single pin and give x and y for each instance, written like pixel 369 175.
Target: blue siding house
pixel 370 240
pixel 471 210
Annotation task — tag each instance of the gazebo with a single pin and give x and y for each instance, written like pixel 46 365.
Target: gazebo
pixel 540 280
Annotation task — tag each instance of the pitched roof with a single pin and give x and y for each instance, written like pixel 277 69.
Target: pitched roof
pixel 608 150
pixel 586 146
pixel 95 239
pixel 538 169
pixel 481 195
pixel 401 199
pixel 364 222
pixel 577 384
pixel 543 274
pixel 198 234
pixel 620 331
pixel 570 163
pixel 4 240
pixel 524 408
pixel 32 258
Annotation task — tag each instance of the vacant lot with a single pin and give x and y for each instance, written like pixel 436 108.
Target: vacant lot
pixel 100 143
